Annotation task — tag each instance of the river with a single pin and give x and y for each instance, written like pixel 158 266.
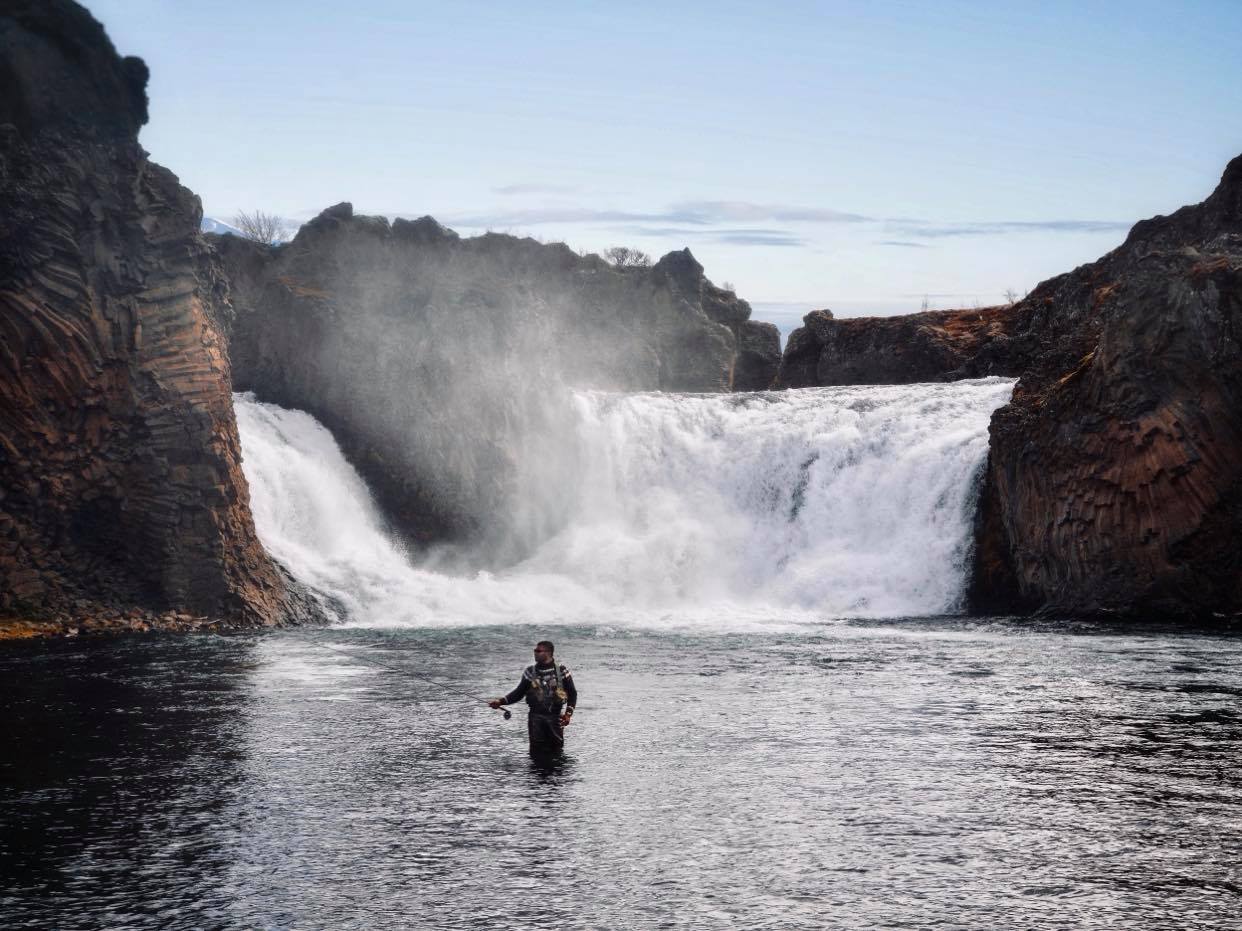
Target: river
pixel 784 722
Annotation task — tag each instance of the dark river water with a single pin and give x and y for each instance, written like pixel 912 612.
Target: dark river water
pixel 903 775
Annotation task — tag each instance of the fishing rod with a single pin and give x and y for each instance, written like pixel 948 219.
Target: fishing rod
pixel 407 672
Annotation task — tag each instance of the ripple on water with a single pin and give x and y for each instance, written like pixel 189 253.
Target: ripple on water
pixel 880 776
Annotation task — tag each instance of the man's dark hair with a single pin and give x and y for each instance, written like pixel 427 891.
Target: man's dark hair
pixel 548 644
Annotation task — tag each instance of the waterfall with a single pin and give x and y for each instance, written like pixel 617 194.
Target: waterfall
pixel 817 503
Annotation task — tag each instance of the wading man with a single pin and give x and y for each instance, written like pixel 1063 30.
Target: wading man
pixel 549 691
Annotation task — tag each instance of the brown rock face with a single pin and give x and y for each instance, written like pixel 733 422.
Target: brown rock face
pixel 941 345
pixel 440 364
pixel 119 462
pixel 1115 477
pixel 1114 483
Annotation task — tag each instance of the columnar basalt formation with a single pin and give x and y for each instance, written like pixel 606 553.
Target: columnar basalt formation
pixel 1114 479
pixel 936 345
pixel 122 500
pixel 1114 483
pixel 439 362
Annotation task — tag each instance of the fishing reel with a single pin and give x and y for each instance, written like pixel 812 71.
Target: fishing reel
pixel 508 714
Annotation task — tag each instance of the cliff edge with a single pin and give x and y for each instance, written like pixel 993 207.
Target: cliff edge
pixel 1114 478
pixel 936 345
pixel 123 503
pixel 1114 484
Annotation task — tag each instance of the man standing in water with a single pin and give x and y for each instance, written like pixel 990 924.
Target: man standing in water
pixel 549 691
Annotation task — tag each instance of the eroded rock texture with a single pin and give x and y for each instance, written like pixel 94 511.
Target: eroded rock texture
pixel 937 345
pixel 122 494
pixel 1115 476
pixel 440 363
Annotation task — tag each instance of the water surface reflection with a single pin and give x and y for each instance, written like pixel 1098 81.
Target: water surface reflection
pixel 853 776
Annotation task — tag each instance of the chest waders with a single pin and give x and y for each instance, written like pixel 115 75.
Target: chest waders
pixel 543 722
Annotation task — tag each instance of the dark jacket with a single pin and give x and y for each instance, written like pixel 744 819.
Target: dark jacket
pixel 539 688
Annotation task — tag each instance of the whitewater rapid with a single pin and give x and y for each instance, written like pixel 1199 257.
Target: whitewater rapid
pixel 726 509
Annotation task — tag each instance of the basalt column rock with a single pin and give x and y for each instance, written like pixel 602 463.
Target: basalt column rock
pixel 938 345
pixel 121 494
pixel 442 365
pixel 1114 483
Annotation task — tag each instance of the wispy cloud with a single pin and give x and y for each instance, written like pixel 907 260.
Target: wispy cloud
pixel 537 216
pixel 747 212
pixel 509 189
pixel 934 230
pixel 737 237
pixel 758 238
pixel 686 213
pixel 729 222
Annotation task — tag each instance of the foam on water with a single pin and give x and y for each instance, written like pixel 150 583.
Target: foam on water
pixel 730 510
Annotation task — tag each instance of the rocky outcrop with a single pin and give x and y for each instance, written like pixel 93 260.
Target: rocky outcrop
pixel 937 345
pixel 1114 484
pixel 122 503
pixel 1114 480
pixel 437 361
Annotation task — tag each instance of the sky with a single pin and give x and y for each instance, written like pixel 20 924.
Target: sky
pixel 868 157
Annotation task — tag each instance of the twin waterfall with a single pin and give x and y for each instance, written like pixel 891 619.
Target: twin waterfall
pixel 695 509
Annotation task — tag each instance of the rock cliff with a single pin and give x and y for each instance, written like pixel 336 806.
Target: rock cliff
pixel 1114 483
pixel 122 502
pixel 438 361
pixel 931 346
pixel 1114 480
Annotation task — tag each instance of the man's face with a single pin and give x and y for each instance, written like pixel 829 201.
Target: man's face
pixel 543 655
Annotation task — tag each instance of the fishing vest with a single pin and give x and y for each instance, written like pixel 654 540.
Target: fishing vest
pixel 547 688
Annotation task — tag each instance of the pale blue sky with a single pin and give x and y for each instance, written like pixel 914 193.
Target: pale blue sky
pixel 849 155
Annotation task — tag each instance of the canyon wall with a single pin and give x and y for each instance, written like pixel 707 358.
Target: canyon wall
pixel 1114 483
pixel 1114 479
pixel 122 501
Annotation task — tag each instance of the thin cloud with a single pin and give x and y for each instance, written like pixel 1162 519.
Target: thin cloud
pixel 999 227
pixel 712 221
pixel 736 237
pixel 540 215
pixel 758 238
pixel 745 211
pixel 686 213
pixel 535 189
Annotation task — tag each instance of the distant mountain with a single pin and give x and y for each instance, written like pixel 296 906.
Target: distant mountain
pixel 212 225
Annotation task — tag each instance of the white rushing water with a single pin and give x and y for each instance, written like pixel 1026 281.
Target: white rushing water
pixel 798 505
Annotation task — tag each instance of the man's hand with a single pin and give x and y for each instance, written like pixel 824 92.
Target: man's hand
pixel 565 718
pixel 495 703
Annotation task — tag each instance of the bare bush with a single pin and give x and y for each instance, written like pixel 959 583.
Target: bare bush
pixel 258 226
pixel 625 257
